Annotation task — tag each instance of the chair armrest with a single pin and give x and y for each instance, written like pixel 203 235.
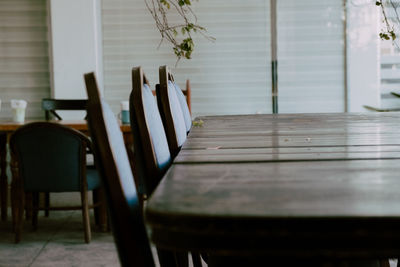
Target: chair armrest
pixel 85 139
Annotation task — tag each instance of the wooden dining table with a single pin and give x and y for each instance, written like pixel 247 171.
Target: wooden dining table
pixel 286 185
pixel 7 128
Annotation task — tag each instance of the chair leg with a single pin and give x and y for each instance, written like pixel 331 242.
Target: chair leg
pixel 28 206
pixel 35 210
pixel 47 204
pixel 102 210
pixel 196 259
pixel 3 176
pixel 182 259
pixel 19 214
pixel 384 263
pixel 14 206
pixel 169 258
pixel 95 199
pixel 85 215
pixel 18 200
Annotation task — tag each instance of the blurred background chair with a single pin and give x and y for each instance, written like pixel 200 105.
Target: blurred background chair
pixel 49 157
pixel 50 106
pixel 172 113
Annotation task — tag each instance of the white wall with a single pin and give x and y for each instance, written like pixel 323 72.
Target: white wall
pixel 363 68
pixel 75 46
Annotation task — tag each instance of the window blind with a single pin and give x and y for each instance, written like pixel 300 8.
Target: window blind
pixel 24 64
pixel 230 76
pixel 390 62
pixel 311 61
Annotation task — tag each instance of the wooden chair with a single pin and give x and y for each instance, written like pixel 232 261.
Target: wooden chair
pixel 172 112
pixel 50 105
pixel 184 102
pixel 152 156
pixel 49 157
pixel 115 171
pixel 187 93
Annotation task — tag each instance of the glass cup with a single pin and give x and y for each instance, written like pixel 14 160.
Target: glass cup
pixel 124 114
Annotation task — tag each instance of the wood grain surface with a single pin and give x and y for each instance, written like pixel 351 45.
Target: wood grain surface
pixel 292 185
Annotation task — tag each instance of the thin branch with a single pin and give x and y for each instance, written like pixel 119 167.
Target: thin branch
pixel 178 35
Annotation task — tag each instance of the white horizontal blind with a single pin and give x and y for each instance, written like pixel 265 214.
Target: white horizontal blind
pixel 230 76
pixel 311 56
pixel 24 64
pixel 390 62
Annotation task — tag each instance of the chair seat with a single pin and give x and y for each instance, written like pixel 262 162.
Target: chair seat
pixel 92 177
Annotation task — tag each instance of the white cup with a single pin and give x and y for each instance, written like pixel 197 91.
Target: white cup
pixel 18 108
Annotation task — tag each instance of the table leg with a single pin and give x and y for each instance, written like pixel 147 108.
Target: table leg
pixel 3 175
pixel 16 196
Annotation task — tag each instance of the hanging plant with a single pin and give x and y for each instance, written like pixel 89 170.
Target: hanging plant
pixel 180 34
pixel 388 32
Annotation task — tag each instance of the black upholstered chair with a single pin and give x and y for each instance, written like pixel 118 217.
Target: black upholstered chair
pixel 49 157
pixel 50 107
pixel 116 174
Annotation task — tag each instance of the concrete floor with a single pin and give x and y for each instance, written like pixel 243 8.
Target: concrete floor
pixel 58 241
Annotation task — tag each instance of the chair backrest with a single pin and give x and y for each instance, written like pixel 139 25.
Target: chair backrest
pixel 187 94
pixel 152 156
pixel 116 174
pixel 183 101
pixel 50 105
pixel 171 112
pixel 51 157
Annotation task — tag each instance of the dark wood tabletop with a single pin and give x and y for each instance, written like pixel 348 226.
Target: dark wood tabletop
pixel 325 185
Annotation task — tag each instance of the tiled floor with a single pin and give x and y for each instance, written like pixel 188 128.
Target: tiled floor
pixel 58 241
